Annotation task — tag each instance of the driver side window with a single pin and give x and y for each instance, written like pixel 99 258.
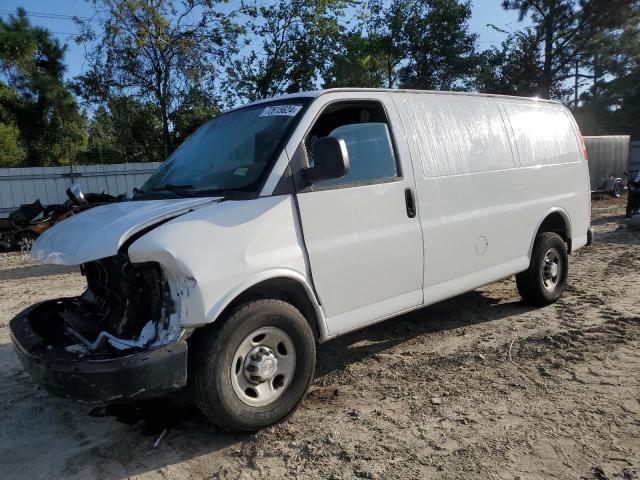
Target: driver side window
pixel 364 128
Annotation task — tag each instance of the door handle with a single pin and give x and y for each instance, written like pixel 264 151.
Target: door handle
pixel 410 201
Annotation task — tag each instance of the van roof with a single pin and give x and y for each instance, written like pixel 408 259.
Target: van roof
pixel 317 93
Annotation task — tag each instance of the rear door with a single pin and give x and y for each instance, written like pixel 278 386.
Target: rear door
pixel 364 241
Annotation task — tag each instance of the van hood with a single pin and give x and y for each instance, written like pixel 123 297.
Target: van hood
pixel 101 231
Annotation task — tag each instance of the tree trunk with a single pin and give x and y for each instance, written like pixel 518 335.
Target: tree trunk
pixel 576 86
pixel 165 129
pixel 547 76
pixel 597 73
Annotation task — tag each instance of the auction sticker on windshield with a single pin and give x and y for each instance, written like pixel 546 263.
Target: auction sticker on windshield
pixel 285 110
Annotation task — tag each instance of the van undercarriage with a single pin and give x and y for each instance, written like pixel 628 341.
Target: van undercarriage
pixel 117 341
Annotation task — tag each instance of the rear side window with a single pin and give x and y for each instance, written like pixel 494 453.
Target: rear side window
pixel 457 136
pixel 543 135
pixel 364 129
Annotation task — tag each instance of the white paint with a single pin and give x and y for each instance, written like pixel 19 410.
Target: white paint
pixel 100 231
pixel 486 171
pixel 224 248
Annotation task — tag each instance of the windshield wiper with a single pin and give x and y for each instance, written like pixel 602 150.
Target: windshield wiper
pixel 170 187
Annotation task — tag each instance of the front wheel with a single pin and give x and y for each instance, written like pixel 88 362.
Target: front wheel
pixel 544 281
pixel 253 370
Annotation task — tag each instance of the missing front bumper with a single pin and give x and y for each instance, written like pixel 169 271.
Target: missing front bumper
pixel 118 377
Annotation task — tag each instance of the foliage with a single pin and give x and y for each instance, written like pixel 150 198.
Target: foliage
pixel 439 51
pixel 157 51
pixel 124 130
pixel 358 62
pixel 512 69
pixel 566 28
pixel 34 97
pixel 298 38
pixel 158 69
pixel 612 104
pixel 12 153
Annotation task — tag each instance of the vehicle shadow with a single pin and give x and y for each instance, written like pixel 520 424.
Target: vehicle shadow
pixel 610 219
pixel 39 270
pixel 463 311
pixel 190 435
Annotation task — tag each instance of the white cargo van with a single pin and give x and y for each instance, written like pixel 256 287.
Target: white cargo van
pixel 293 220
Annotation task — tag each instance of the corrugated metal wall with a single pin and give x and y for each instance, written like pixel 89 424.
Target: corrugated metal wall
pixel 634 156
pixel 25 185
pixel 608 157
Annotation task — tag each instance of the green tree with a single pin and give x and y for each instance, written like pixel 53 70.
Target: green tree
pixel 512 69
pixel 298 37
pixel 12 153
pixel 124 130
pixel 358 63
pixel 196 109
pixel 565 29
pixel 612 104
pixel 439 50
pixel 34 97
pixel 157 51
pixel 423 44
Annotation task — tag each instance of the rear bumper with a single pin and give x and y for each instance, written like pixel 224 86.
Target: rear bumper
pixel 123 376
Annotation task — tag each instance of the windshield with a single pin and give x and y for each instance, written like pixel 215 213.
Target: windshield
pixel 231 152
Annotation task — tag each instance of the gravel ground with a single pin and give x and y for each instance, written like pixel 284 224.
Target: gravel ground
pixel 480 386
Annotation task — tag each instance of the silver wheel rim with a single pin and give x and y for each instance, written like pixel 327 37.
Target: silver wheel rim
pixel 263 366
pixel 25 243
pixel 551 270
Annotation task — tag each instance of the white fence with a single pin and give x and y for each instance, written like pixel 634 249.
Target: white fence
pixel 25 185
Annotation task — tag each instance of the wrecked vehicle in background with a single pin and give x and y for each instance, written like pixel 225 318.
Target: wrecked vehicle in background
pixel 633 194
pixel 295 220
pixel 20 229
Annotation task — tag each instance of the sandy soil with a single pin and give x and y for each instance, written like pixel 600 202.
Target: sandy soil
pixel 480 386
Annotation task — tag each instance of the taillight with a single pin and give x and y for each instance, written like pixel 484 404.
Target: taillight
pixel 583 146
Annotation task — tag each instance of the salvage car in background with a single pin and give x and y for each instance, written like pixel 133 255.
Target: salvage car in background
pixel 20 229
pixel 608 162
pixel 295 220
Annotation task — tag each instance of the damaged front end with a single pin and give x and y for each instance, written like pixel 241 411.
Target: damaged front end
pixel 120 340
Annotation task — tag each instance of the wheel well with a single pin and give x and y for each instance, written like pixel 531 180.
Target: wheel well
pixel 556 223
pixel 284 289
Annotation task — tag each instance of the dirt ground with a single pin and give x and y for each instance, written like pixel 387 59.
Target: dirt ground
pixel 480 386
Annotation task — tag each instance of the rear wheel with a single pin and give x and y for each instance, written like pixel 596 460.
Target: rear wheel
pixel 253 370
pixel 545 279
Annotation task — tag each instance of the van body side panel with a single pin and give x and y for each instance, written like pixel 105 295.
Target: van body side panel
pixel 365 253
pixel 485 184
pixel 556 175
pixel 216 252
pixel 465 189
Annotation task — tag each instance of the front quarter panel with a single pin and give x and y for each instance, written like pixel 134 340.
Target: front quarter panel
pixel 213 254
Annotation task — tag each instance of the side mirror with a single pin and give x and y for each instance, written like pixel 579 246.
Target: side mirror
pixel 330 160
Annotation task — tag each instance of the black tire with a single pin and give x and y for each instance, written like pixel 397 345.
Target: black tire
pixel 214 353
pixel 618 189
pixel 531 283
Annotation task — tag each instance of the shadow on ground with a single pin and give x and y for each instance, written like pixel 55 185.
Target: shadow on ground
pixel 38 270
pixel 197 436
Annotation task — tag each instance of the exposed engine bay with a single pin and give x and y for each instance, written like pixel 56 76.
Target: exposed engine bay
pixel 125 305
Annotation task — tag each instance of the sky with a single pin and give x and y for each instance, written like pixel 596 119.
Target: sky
pixel 484 12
